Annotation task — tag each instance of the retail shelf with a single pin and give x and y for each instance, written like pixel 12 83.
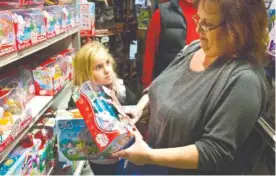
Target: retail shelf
pixel 5 60
pixel 38 105
pixel 79 168
pixel 267 132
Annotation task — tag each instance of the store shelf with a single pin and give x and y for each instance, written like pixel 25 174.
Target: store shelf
pixel 267 132
pixel 79 168
pixel 38 105
pixel 5 60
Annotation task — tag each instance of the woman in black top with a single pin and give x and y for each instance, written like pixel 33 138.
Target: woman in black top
pixel 205 104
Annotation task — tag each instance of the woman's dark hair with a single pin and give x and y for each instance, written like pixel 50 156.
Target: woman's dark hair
pixel 245 30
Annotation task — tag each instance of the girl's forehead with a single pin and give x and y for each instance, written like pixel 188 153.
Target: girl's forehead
pixel 100 55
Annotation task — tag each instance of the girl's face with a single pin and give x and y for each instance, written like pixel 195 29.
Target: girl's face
pixel 103 72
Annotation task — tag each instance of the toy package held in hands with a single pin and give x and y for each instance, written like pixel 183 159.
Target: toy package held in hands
pixel 109 126
pixel 7 34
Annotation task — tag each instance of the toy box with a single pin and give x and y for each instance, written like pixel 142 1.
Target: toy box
pixel 87 19
pixel 73 15
pixel 13 116
pixel 75 141
pixel 13 161
pixel 7 34
pixel 53 17
pixel 109 126
pixel 22 79
pixel 10 4
pixel 33 3
pixel 51 75
pixel 30 27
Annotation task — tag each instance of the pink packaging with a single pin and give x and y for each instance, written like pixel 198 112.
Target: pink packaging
pixel 7 34
pixel 10 4
pixel 29 27
pixel 54 18
pixel 33 3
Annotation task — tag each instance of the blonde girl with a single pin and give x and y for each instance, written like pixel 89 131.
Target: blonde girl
pixel 94 63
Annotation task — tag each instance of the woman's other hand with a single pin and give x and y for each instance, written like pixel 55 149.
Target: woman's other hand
pixel 138 153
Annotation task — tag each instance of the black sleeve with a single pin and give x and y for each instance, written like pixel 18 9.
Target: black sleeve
pixel 71 104
pixel 231 121
pixel 131 98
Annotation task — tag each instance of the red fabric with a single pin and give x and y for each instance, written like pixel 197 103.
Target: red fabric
pixel 152 39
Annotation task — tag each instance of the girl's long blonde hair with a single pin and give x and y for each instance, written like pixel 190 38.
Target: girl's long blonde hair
pixel 83 62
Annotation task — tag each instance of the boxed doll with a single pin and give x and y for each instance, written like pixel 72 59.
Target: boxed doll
pixel 53 17
pixel 13 116
pixel 87 19
pixel 30 27
pixel 7 34
pixel 110 128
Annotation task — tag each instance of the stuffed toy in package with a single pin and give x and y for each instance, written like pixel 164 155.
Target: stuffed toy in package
pixel 111 129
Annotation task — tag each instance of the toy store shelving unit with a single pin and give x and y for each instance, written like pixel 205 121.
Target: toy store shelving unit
pixel 39 104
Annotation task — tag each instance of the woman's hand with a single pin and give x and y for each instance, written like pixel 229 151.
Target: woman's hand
pixel 138 153
pixel 134 114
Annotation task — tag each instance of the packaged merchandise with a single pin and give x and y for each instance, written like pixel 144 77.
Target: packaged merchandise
pixel 87 19
pixel 109 126
pixel 51 75
pixel 10 4
pixel 7 34
pixel 13 116
pixel 26 82
pixel 74 139
pixel 144 17
pixel 30 27
pixel 73 15
pixel 53 17
pixel 271 27
pixel 33 3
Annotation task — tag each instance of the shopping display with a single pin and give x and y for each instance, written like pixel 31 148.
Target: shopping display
pixel 109 126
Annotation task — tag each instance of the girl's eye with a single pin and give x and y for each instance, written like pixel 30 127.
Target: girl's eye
pixel 98 67
pixel 108 62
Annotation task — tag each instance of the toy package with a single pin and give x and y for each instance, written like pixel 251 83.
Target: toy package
pixel 7 34
pixel 26 82
pixel 51 75
pixel 30 27
pixel 73 15
pixel 33 3
pixel 51 2
pixel 109 126
pixel 13 116
pixel 54 17
pixel 10 4
pixel 87 19
pixel 75 141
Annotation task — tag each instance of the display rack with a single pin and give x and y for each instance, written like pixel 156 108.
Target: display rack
pixel 38 104
pixel 5 60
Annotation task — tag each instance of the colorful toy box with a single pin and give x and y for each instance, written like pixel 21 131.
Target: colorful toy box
pixel 51 75
pixel 13 116
pixel 26 82
pixel 73 15
pixel 30 27
pixel 10 4
pixel 87 19
pixel 7 34
pixel 75 141
pixel 109 126
pixel 53 17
